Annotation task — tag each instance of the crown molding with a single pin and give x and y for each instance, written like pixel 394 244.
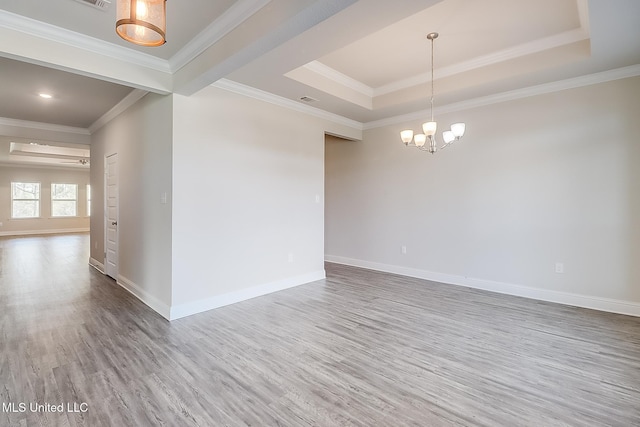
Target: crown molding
pixel 81 41
pixel 583 15
pixel 536 46
pixel 337 77
pixel 126 102
pixel 4 121
pixel 135 95
pixel 239 12
pixel 576 82
pixel 284 102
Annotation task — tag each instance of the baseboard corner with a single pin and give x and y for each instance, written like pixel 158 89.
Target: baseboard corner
pixel 97 265
pixel 149 300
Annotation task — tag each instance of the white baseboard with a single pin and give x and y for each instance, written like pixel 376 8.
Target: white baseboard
pixel 37 232
pixel 217 301
pixel 135 290
pixel 97 265
pixel 151 301
pixel 567 298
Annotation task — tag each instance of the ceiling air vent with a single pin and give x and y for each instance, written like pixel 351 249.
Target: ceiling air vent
pixel 308 99
pixel 98 4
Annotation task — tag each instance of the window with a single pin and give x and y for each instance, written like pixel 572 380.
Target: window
pixel 88 200
pixel 64 199
pixel 25 199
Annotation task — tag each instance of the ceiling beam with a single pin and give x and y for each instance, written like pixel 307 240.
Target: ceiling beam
pixel 267 29
pixel 27 40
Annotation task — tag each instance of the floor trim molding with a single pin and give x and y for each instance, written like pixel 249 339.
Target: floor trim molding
pixel 566 298
pixel 97 265
pixel 148 299
pixel 195 307
pixel 39 232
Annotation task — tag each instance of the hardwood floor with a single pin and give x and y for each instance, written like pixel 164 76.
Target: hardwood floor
pixel 360 348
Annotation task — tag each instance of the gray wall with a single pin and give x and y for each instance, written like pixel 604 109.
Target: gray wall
pixel 546 179
pixel 142 137
pixel 244 212
pixel 246 220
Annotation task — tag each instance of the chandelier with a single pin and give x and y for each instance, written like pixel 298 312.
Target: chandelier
pixel 429 128
pixel 142 22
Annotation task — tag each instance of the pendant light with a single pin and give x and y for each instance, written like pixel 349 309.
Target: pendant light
pixel 429 128
pixel 142 22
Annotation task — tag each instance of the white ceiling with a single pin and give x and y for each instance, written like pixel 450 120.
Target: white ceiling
pixel 363 60
pixel 402 50
pixel 77 100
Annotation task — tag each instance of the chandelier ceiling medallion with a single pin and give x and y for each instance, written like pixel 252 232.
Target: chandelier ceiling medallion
pixel 142 22
pixel 429 128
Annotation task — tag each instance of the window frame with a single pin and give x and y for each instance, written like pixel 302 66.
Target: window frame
pixel 53 200
pixel 38 200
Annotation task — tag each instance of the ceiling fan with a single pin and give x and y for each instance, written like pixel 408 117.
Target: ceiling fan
pixel 84 161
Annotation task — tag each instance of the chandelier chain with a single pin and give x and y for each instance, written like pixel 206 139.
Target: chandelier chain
pixel 432 84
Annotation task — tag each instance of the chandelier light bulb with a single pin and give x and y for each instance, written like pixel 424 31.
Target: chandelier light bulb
pixel 420 139
pixel 447 136
pixel 429 128
pixel 458 129
pixel 141 10
pixel 407 136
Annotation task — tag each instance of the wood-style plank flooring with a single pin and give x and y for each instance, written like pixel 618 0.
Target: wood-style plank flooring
pixel 360 348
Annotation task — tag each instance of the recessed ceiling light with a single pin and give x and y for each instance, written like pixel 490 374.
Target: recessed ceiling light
pixel 45 95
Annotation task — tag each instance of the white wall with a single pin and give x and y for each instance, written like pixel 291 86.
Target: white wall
pixel 45 223
pixel 246 175
pixel 142 137
pixel 546 179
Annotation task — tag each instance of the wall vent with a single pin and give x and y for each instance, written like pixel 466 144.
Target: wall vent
pixel 98 4
pixel 308 99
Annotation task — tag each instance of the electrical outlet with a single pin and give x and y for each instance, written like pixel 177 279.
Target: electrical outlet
pixel 559 267
pixel 290 257
pixel 403 249
pixel 0 224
